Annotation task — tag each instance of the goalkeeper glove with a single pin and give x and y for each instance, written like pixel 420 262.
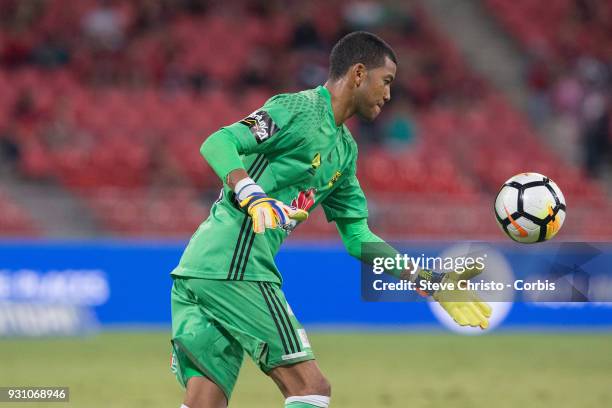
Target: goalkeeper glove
pixel 265 211
pixel 463 305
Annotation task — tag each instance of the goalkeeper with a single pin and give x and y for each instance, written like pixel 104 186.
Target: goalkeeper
pixel 277 165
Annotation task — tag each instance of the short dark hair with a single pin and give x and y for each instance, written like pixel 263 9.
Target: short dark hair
pixel 358 47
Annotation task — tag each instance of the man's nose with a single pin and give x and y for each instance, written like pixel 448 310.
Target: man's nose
pixel 387 96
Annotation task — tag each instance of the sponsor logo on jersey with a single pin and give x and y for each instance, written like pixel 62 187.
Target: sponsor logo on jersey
pixel 315 164
pixel 304 201
pixel 316 161
pixel 334 179
pixel 261 125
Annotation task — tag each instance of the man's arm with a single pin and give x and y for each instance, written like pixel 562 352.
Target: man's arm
pixel 354 232
pixel 463 306
pixel 263 131
pixel 254 134
pixel 221 152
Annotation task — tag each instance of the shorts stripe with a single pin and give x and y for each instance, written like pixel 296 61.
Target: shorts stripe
pixel 292 330
pixel 280 333
pixel 293 345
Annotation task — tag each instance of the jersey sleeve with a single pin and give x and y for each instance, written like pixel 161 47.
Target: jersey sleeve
pixel 266 130
pixel 355 233
pixel 346 201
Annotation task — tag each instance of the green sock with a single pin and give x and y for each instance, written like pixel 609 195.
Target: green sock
pixel 299 405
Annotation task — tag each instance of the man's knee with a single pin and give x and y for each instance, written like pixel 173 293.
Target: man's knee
pixel 318 385
pixel 323 387
pixel 301 379
pixel 313 385
pixel 203 393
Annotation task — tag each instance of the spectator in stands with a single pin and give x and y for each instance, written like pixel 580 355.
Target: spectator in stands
pixel 365 15
pixel 256 73
pixel 19 15
pixel 24 110
pixel 51 52
pixel 14 50
pixel 61 132
pixel 164 170
pixel 539 82
pixel 312 70
pixel 149 16
pixel 104 27
pixel 568 93
pixel 10 152
pixel 396 132
pixel 104 30
pixel 399 129
pixel 596 122
pixel 305 34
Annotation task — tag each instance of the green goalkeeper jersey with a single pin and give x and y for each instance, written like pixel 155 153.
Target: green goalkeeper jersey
pixel 290 145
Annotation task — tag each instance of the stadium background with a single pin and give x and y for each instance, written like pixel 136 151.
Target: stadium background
pixel 103 107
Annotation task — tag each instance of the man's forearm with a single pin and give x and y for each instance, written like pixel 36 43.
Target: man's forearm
pixel 221 152
pixel 355 233
pixel 465 307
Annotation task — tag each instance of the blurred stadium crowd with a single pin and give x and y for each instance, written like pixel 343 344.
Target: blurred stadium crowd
pixel 112 99
pixel 569 43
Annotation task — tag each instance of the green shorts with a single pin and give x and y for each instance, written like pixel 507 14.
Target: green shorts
pixel 215 321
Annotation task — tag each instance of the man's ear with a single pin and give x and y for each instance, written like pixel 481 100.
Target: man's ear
pixel 359 74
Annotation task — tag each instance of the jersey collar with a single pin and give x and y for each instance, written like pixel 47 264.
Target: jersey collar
pixel 323 91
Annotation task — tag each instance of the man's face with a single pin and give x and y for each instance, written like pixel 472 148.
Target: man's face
pixel 374 90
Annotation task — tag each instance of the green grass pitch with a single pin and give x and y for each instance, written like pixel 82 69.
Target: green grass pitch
pixel 122 369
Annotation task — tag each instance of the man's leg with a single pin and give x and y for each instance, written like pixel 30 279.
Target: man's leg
pixel 259 320
pixel 303 385
pixel 203 393
pixel 206 359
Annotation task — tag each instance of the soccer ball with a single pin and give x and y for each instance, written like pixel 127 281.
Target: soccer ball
pixel 530 208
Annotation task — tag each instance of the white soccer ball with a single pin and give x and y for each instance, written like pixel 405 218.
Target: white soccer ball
pixel 530 208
